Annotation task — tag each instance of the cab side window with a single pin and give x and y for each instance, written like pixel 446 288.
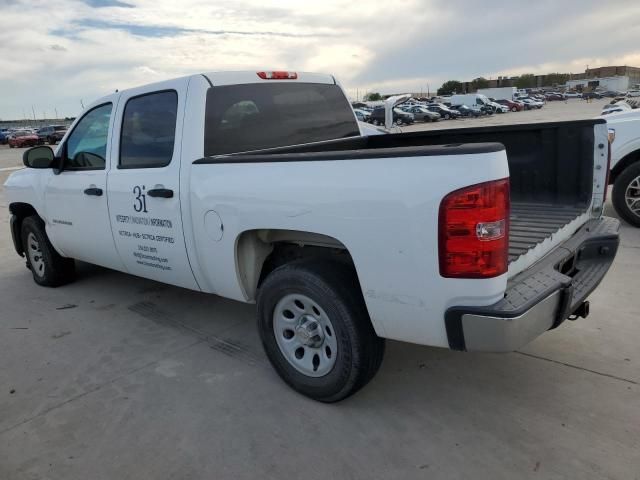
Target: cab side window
pixel 86 148
pixel 149 130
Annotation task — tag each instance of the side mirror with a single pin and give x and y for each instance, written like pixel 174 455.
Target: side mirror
pixel 38 157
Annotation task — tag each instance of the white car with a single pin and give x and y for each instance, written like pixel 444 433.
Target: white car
pixel 362 115
pixel 572 95
pixel 617 107
pixel 499 108
pixel 633 93
pixel 532 103
pixel 260 187
pixel 625 164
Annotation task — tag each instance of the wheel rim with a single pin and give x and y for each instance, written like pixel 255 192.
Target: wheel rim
pixel 35 254
pixel 632 196
pixel 305 335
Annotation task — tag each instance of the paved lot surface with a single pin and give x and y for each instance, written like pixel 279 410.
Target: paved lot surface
pixel 117 377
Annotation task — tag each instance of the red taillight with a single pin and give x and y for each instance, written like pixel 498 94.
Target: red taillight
pixel 474 231
pixel 278 75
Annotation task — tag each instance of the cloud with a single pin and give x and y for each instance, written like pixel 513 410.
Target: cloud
pixel 88 48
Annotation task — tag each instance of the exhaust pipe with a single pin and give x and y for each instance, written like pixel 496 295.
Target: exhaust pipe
pixel 581 311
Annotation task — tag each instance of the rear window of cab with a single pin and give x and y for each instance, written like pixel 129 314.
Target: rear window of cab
pixel 242 118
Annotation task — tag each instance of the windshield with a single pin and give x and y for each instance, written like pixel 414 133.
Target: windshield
pixel 242 118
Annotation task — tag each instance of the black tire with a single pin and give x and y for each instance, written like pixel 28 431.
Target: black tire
pixel 624 179
pixel 51 141
pixel 53 270
pixel 11 145
pixel 335 288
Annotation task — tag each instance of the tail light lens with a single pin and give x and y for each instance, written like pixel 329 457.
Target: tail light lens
pixel 474 231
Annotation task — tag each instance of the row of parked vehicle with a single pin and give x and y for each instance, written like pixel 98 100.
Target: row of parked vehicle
pixel 447 108
pixel 29 137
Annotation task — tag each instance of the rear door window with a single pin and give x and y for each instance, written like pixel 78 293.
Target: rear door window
pixel 241 118
pixel 148 130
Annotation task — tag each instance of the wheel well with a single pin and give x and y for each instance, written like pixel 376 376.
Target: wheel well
pixel 259 252
pixel 624 162
pixel 20 211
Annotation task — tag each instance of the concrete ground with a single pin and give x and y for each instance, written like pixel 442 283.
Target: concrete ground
pixel 117 377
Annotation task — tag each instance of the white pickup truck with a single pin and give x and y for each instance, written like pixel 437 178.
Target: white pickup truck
pixel 260 187
pixel 624 128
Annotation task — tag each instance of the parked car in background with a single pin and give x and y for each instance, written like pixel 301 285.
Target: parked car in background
pixel 511 105
pixel 466 111
pixel 572 94
pixel 23 138
pixel 52 134
pixel 422 114
pixel 362 115
pixel 498 107
pixel 591 95
pixel 633 93
pixel 444 111
pixel 554 96
pixel 616 108
pixel 4 133
pixel 399 117
pixel 531 103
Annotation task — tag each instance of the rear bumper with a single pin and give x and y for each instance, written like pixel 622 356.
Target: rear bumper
pixel 541 297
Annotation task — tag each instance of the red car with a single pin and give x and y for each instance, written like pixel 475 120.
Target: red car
pixel 23 138
pixel 513 106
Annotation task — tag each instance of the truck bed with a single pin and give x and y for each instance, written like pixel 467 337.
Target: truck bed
pixel 551 169
pixel 532 223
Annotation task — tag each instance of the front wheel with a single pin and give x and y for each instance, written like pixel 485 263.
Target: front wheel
pixel 316 331
pixel 626 194
pixel 48 267
pixel 51 140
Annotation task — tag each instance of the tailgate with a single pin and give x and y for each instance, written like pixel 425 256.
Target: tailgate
pixel 541 297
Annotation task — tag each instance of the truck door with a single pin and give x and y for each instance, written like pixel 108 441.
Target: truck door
pixel 143 188
pixel 76 199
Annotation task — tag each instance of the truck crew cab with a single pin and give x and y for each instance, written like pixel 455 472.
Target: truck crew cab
pixel 260 187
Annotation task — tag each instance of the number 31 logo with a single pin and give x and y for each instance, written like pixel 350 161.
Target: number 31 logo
pixel 140 199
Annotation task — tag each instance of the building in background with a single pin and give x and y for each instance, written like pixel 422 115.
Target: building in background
pixel 618 78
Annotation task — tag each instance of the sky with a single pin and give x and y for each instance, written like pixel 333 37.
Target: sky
pixel 56 55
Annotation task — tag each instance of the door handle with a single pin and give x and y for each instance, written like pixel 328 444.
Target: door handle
pixel 97 192
pixel 160 192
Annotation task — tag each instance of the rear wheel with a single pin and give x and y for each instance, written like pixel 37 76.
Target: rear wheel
pixel 514 109
pixel 51 140
pixel 626 194
pixel 316 331
pixel 48 267
pixel 447 116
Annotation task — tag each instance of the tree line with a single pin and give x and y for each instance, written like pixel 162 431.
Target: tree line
pixel 526 80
